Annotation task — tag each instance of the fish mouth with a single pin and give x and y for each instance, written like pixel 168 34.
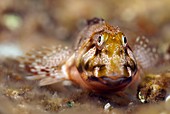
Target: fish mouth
pixel 114 84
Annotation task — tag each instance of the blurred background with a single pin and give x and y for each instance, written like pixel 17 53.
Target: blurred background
pixel 27 24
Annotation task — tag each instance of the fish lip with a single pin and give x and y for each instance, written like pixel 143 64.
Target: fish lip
pixel 109 85
pixel 122 81
pixel 113 84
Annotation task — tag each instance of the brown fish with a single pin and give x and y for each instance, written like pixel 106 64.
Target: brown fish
pixel 101 61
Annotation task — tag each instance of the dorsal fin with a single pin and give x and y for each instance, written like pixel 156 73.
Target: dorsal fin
pixel 145 54
pixel 95 20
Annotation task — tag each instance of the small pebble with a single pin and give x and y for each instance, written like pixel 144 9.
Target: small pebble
pixel 107 106
pixel 167 102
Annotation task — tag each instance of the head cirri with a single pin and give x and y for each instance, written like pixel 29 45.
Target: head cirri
pixel 103 57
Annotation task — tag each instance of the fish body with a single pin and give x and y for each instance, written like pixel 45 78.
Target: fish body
pixel 101 61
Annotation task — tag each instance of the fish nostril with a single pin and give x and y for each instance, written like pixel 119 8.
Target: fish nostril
pixel 121 52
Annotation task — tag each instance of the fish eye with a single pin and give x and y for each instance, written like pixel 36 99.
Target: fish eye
pixel 124 40
pixel 100 40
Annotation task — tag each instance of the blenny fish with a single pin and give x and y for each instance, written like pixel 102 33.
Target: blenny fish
pixel 101 61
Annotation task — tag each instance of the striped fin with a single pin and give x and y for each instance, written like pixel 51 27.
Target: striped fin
pixel 46 64
pixel 145 54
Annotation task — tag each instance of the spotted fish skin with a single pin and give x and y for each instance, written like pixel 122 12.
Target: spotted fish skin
pixel 102 60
